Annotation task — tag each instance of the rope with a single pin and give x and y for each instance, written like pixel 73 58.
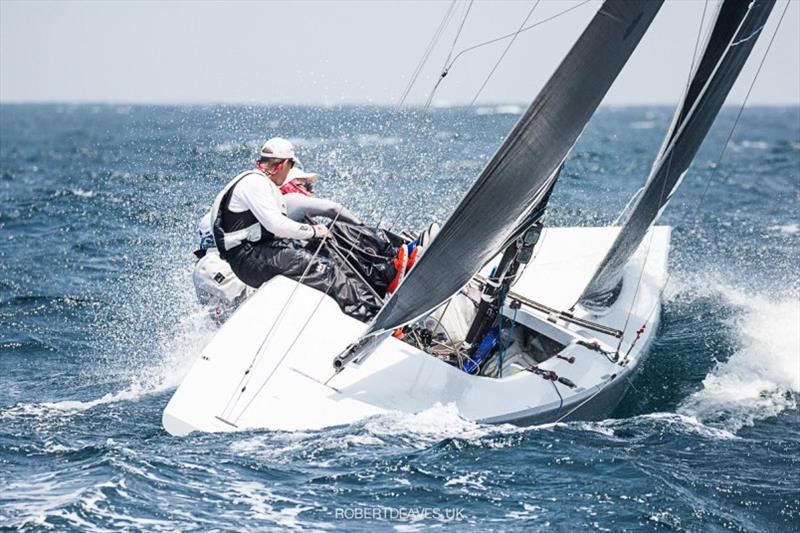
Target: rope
pixel 587 400
pixel 663 185
pixel 336 249
pixel 449 64
pixel 715 167
pixel 245 379
pixel 289 349
pixel 513 34
pixel 401 101
pixel 447 59
pixel 426 55
pixel 505 346
pixel 497 64
pixel 560 398
pixel 741 110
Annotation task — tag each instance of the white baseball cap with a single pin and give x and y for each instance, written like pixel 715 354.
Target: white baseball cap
pixel 301 176
pixel 279 148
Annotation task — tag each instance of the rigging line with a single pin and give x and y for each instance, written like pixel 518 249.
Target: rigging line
pixel 245 380
pixel 503 37
pixel 714 169
pixel 458 33
pixel 479 45
pixel 624 211
pixel 508 46
pixel 424 59
pixel 447 59
pixel 426 55
pixel 560 399
pixel 600 388
pixel 664 184
pixel 289 349
pixel 741 110
pixel 353 269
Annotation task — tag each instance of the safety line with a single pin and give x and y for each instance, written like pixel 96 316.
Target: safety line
pixel 245 380
pixel 289 349
pixel 508 47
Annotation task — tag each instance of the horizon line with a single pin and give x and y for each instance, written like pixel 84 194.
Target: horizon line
pixel 349 104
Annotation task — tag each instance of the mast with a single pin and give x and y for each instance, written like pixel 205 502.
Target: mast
pixel 736 28
pixel 518 179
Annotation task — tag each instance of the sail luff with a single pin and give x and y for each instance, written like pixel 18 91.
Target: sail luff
pixel 731 40
pixel 512 184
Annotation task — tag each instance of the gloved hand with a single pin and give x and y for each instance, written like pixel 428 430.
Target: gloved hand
pixel 320 231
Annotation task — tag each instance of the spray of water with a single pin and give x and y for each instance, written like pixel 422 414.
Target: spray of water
pixel 762 377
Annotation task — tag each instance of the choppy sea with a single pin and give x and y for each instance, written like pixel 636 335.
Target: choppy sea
pixel 98 324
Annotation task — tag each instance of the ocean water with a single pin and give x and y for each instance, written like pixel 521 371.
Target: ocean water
pixel 98 324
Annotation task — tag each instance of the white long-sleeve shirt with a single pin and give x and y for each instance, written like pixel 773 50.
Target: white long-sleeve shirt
pixel 299 206
pixel 256 193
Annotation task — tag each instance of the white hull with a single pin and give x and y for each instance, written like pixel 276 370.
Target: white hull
pixel 291 384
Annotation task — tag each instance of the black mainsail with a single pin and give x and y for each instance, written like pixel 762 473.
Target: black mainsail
pixel 736 28
pixel 518 178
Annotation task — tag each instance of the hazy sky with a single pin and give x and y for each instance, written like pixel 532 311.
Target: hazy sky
pixel 341 52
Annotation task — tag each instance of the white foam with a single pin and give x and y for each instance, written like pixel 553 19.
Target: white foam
pixel 762 377
pixel 261 501
pixel 789 229
pixel 82 193
pixel 470 480
pixel 432 425
pixel 679 423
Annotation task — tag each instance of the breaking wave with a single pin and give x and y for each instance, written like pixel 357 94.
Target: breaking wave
pixel 762 377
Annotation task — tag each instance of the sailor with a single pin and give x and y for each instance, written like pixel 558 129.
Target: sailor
pixel 302 204
pixel 253 233
pixel 298 192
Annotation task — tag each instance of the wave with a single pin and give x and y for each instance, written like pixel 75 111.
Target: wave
pixel 762 377
pixel 789 229
pixel 178 354
pixel 652 423
pixel 83 193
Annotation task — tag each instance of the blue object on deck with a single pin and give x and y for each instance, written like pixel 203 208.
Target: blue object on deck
pixel 484 349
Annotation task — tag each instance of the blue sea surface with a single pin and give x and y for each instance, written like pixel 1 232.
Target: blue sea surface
pixel 99 323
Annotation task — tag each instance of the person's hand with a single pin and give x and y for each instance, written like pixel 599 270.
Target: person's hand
pixel 320 231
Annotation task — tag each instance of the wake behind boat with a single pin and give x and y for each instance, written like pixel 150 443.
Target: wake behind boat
pixel 563 317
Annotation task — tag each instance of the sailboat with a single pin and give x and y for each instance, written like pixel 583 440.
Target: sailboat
pixel 505 319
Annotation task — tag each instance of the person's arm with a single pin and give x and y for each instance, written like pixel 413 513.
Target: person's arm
pixel 260 201
pixel 300 206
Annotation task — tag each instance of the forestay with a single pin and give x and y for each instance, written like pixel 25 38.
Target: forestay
pixel 736 28
pixel 519 176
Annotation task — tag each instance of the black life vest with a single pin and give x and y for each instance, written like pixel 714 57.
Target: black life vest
pixel 232 229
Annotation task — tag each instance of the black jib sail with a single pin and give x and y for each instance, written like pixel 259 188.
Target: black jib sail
pixel 736 28
pixel 517 178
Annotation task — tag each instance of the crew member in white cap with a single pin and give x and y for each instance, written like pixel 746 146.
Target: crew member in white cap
pixel 255 236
